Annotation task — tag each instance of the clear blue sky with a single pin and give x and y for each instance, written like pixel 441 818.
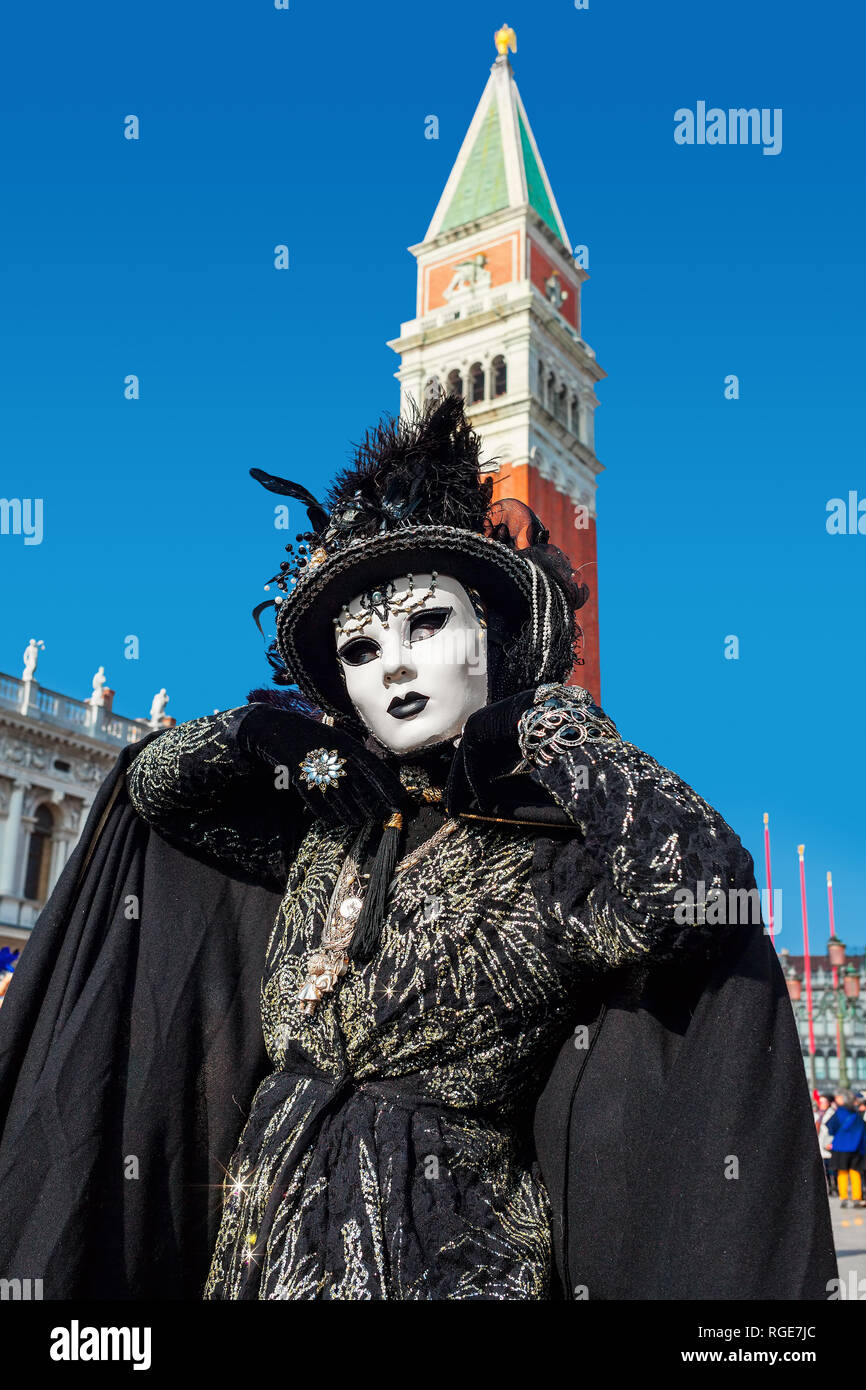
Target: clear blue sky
pixel 306 127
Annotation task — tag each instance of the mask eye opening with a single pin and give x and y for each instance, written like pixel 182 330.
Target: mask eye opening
pixel 358 651
pixel 428 617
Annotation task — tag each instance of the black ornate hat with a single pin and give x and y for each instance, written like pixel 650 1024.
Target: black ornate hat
pixel 410 503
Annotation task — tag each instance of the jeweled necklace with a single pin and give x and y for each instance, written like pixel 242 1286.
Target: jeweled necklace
pixel 417 782
pixel 326 966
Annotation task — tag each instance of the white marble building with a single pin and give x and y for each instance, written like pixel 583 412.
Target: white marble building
pixel 54 752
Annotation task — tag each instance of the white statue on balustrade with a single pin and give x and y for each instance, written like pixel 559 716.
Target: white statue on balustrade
pixel 31 657
pixel 157 708
pixel 97 699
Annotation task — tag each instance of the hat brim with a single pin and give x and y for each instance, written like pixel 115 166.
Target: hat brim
pixel 305 634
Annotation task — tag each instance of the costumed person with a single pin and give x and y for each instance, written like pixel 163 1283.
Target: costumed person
pixel 382 987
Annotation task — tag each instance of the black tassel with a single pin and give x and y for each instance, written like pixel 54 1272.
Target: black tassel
pixel 368 930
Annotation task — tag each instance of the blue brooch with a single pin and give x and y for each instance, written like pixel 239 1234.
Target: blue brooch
pixel 322 768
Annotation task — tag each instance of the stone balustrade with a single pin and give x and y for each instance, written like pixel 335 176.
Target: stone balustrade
pixel 79 716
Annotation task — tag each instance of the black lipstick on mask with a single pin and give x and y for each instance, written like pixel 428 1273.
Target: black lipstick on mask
pixel 404 706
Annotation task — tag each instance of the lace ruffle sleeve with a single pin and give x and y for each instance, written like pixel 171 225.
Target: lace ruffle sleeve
pixel 655 871
pixel 202 790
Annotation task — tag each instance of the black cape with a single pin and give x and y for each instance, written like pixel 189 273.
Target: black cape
pixel 674 1133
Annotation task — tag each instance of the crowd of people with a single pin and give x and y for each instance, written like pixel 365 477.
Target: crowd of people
pixel 840 1120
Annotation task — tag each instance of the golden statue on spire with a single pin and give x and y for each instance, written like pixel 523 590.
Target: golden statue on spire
pixel 505 38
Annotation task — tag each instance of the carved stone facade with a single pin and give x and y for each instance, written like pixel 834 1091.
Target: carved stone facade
pixel 54 753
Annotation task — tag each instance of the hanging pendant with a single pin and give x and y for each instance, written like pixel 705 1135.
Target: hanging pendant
pixel 327 964
pixel 330 961
pixel 323 971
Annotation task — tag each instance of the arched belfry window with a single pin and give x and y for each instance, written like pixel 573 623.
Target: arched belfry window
pixel 500 376
pixel 476 383
pixel 540 387
pixel 455 383
pixel 39 856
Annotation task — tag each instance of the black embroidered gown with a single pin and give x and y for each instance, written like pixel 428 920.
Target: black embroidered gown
pixel 385 1156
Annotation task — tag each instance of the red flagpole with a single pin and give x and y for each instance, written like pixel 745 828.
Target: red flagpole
pixel 770 922
pixel 807 962
pixel 830 903
pixel 835 967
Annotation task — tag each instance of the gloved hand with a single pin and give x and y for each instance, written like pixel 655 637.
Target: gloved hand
pixel 486 757
pixel 339 779
pixel 490 770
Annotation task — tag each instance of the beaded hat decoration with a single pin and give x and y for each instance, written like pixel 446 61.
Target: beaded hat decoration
pixel 381 602
pixel 412 503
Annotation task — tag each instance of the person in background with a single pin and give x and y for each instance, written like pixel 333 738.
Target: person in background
pixel 847 1129
pixel 8 961
pixel 824 1108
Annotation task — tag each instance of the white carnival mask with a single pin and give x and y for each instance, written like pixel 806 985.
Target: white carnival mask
pixel 414 657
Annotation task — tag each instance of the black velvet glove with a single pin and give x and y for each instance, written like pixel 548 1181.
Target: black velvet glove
pixel 356 785
pixel 481 776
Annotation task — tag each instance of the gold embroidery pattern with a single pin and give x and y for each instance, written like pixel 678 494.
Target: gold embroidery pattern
pixel 382 1158
pixel 185 784
pixel 421 1059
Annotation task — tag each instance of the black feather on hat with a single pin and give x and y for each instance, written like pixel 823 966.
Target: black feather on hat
pixel 424 466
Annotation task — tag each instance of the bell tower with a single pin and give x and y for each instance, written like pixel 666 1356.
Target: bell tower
pixel 498 321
